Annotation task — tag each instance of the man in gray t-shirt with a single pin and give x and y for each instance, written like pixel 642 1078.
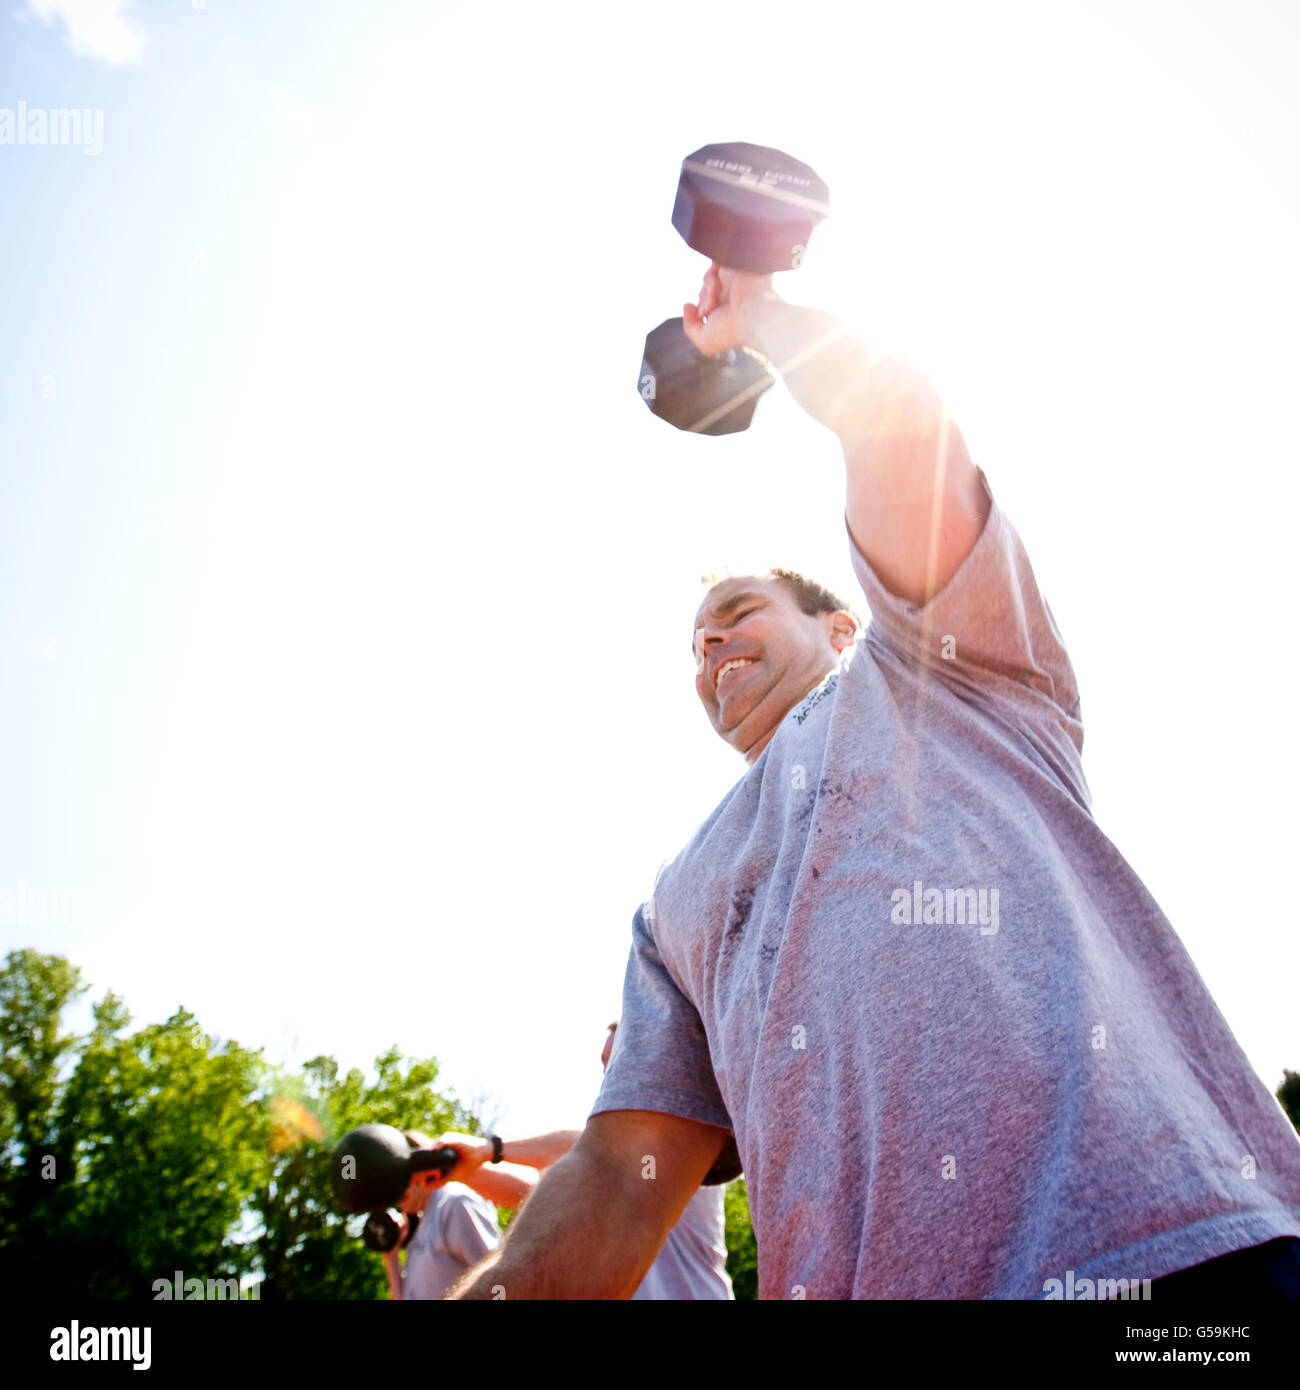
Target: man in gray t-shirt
pixel 900 975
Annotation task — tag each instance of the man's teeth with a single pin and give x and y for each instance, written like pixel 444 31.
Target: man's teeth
pixel 731 665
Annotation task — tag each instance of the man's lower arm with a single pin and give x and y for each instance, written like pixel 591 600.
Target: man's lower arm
pixel 508 1185
pixel 839 378
pixel 393 1270
pixel 582 1234
pixel 541 1150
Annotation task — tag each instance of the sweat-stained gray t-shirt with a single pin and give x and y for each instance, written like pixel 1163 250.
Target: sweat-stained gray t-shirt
pixel 962 1050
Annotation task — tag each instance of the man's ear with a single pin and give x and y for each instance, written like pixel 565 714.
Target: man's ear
pixel 843 630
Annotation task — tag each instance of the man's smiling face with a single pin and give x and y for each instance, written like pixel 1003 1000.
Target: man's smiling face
pixel 758 654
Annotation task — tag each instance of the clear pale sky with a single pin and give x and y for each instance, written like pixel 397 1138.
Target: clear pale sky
pixel 345 580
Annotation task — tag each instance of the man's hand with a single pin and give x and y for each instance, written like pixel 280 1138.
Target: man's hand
pixel 472 1154
pixel 731 301
pixel 505 1184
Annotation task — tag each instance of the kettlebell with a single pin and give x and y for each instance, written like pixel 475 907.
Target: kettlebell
pixel 373 1166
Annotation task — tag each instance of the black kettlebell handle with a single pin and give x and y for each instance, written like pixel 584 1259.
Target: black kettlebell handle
pixel 434 1160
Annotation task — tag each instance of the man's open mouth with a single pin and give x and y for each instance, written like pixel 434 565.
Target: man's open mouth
pixel 727 667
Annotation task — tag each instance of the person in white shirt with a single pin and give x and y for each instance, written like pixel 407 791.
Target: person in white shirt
pixel 455 1226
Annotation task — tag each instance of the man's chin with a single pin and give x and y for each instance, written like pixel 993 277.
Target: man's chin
pixel 732 712
pixel 729 717
pixel 740 736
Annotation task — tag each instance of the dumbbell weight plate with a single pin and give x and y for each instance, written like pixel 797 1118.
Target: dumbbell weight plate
pixel 749 207
pixel 703 395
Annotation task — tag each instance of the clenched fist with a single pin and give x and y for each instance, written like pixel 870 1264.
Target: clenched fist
pixel 728 310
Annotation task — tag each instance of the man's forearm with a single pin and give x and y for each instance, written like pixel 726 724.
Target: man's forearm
pixel 506 1185
pixel 913 500
pixel 541 1150
pixel 839 378
pixel 584 1233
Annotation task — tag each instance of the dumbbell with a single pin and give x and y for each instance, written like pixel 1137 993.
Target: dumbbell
pixel 748 208
pixel 373 1166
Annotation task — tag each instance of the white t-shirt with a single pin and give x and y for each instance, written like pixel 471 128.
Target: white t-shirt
pixel 693 1262
pixel 457 1229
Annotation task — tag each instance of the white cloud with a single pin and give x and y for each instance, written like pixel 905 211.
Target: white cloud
pixel 94 28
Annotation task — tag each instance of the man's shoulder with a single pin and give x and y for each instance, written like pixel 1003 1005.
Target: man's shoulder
pixel 454 1195
pixel 457 1191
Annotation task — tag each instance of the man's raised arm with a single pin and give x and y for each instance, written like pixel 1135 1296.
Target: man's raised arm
pixel 915 504
pixel 601 1213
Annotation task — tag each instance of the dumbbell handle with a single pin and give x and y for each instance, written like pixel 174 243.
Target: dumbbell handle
pixel 433 1160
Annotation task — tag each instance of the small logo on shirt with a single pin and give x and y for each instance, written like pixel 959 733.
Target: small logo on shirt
pixel 827 687
pixel 952 907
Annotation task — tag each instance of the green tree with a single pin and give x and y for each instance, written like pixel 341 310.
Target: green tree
pixel 34 991
pixel 125 1158
pixel 170 1145
pixel 742 1249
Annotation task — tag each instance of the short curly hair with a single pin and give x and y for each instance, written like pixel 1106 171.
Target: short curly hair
pixel 812 597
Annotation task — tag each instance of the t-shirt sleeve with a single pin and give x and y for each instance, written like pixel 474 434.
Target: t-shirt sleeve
pixel 469 1229
pixel 989 628
pixel 661 1058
